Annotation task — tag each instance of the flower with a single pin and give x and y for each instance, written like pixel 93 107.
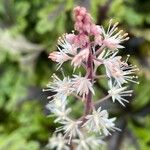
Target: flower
pixel 98 122
pixel 120 71
pixel 58 142
pixel 65 44
pixel 80 57
pixel 113 67
pixel 66 49
pixel 82 85
pixel 62 114
pixel 62 88
pixel 59 57
pixel 112 40
pixel 56 103
pixel 70 128
pixel 104 55
pixel 88 142
pixel 58 108
pixel 117 93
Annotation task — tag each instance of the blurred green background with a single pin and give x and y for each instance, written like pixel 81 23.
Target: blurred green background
pixel 28 33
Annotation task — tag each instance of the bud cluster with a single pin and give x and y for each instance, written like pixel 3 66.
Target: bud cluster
pixel 90 47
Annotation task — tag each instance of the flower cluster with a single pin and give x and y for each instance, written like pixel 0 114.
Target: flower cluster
pixel 90 47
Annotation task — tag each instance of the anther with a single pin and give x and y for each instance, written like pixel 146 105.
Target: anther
pixel 127 38
pixel 116 24
pixel 126 34
pixel 110 21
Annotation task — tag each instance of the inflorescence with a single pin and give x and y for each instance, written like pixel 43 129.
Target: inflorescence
pixel 88 46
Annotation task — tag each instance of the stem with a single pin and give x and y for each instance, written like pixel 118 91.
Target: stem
pixel 102 99
pixel 88 99
pixel 71 146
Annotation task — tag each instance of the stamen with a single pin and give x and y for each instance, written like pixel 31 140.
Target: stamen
pixel 112 31
pixel 45 90
pixel 128 56
pixel 117 34
pixel 126 39
pixel 126 34
pixel 110 22
pixel 116 24
pixel 133 81
pixel 49 97
pixel 129 91
pixel 62 71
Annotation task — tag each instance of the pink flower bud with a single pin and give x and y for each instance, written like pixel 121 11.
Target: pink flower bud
pixel 83 40
pixel 82 11
pixel 86 27
pixel 79 18
pixel 98 40
pixel 76 10
pixel 70 38
pixel 96 30
pixel 87 18
pixel 79 26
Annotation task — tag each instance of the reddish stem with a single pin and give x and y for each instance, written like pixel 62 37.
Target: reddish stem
pixel 88 98
pixel 88 102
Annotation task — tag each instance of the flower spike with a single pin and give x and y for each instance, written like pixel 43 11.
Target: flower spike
pixel 91 47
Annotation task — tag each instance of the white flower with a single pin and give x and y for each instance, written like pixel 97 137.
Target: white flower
pixel 62 114
pixel 88 142
pixel 112 38
pixel 98 121
pixel 66 47
pixel 82 85
pixel 120 71
pixel 70 128
pixel 61 87
pixel 59 109
pixel 117 93
pixel 113 67
pixel 104 55
pixel 128 71
pixel 65 51
pixel 58 142
pixel 57 102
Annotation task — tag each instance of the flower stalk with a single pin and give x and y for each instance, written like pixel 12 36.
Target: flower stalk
pixel 88 102
pixel 91 47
